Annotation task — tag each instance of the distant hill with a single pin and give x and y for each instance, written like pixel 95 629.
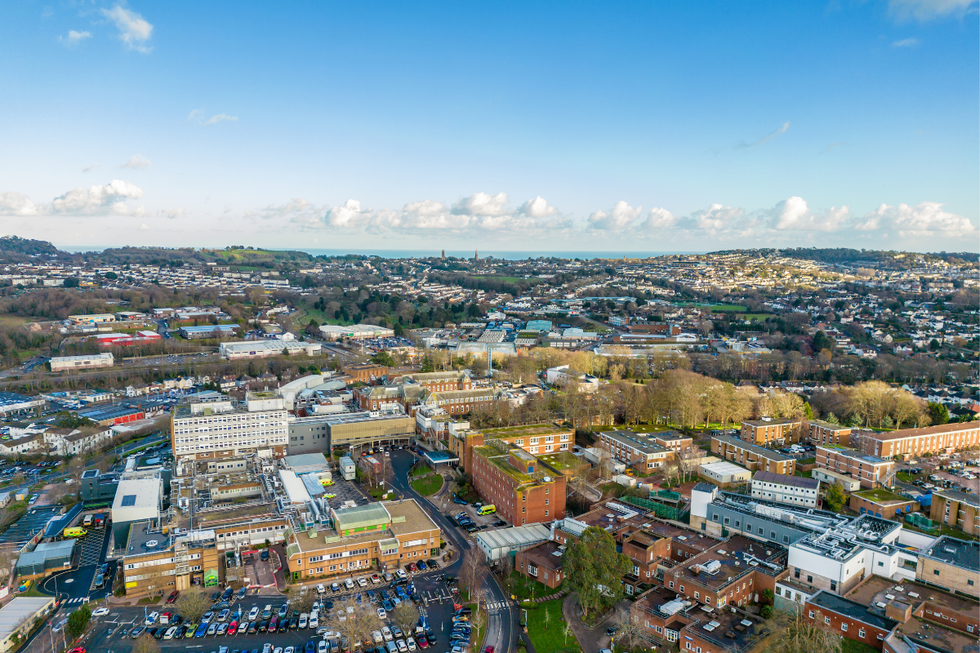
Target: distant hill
pixel 871 257
pixel 14 249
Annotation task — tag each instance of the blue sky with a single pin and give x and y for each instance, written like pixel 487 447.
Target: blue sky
pixel 514 126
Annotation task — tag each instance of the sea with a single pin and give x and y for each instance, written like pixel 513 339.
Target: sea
pixel 506 255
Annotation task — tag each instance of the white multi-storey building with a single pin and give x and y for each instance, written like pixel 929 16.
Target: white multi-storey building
pixel 220 428
pixel 782 488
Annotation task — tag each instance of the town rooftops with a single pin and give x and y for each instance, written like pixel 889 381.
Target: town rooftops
pixel 786 479
pixel 408 517
pixel 829 426
pixel 762 452
pixel 958 553
pixel 853 454
pixel 547 554
pixel 771 422
pixel 526 430
pixel 928 430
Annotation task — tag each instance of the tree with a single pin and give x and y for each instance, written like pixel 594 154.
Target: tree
pixel 383 358
pixel 791 632
pixel 938 414
pixel 299 600
pixel 474 570
pixel 406 615
pixel 836 497
pixel 594 569
pixel 78 620
pixel 146 644
pixel 70 282
pixel 628 632
pixel 192 605
pixel 356 628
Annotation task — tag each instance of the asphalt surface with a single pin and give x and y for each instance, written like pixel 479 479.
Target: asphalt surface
pixel 502 624
pixel 75 586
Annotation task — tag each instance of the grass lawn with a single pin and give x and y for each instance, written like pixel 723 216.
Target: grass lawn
pixel 546 628
pixel 906 477
pixel 807 474
pixel 499 278
pixel 427 485
pixel 851 646
pixel 756 317
pixel 418 469
pixel 523 587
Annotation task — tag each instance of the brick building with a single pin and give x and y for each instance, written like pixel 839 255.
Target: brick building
pixel 541 562
pixel 768 432
pixel 881 503
pixel 820 432
pixel 951 564
pixel 751 456
pixel 640 451
pixel 366 372
pixel 957 509
pixel 436 381
pixel 848 618
pixel 523 488
pixel 918 442
pixel 870 470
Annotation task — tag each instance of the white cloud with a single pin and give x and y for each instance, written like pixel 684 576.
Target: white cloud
pixel 927 218
pixel 346 216
pixel 926 10
pixel 16 204
pixel 90 168
pixel 100 200
pixel 198 116
pixel 776 133
pixel 621 215
pixel 481 204
pixel 221 117
pixel 170 214
pixel 144 227
pixel 137 162
pixel 74 38
pixel 794 213
pixel 537 208
pixel 134 31
pixel 659 218
pixel 905 43
pixel 713 218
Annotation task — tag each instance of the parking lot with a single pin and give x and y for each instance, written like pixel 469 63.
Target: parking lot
pixel 434 601
pixel 344 492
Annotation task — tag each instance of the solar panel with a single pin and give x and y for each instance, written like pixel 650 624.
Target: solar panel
pixel 129 500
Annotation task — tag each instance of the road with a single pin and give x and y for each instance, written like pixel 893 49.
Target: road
pixel 502 616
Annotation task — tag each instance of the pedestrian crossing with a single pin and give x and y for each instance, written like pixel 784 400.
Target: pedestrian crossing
pixel 82 599
pixel 497 605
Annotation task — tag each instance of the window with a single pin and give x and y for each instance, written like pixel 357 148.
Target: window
pixel 811 614
pixel 826 620
pixel 843 627
pixel 861 633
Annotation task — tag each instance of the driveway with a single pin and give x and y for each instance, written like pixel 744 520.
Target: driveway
pixel 591 640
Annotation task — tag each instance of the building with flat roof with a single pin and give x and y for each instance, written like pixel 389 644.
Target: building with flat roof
pixel 369 429
pixel 851 619
pixel 12 403
pixel 264 348
pixel 783 488
pixel 881 502
pixel 503 542
pixel 355 332
pixel 641 451
pixel 228 429
pixel 957 509
pixel 18 618
pixel 86 362
pixel 820 432
pixel 872 472
pixel 724 474
pixel 389 535
pixel 523 488
pixel 208 331
pixel 912 443
pixel 849 483
pixel 951 564
pixel 772 432
pixel 138 498
pixel 752 456
pixel 47 558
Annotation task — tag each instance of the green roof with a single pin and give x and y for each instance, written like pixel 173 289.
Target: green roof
pixel 881 495
pixel 525 430
pixel 561 460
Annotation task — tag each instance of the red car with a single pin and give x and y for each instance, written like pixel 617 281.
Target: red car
pixel 489 649
pixel 411 566
pixel 77 649
pixel 173 597
pixel 232 628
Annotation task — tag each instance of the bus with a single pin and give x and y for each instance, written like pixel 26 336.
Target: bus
pixel 487 510
pixel 88 520
pixel 75 532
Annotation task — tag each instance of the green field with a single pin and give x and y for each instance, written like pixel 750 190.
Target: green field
pixel 428 484
pixel 546 628
pixel 755 317
pixel 499 278
pixel 716 308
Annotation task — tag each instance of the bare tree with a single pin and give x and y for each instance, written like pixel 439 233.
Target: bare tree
pixel 794 633
pixel 406 615
pixel 300 601
pixel 356 627
pixel 627 631
pixel 146 644
pixel 474 571
pixel 193 604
